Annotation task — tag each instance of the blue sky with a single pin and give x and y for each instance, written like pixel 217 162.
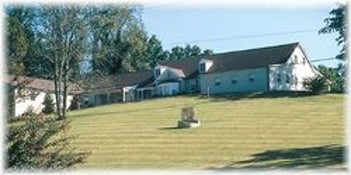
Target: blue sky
pixel 175 24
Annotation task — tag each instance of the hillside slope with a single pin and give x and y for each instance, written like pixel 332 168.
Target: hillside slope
pixel 290 132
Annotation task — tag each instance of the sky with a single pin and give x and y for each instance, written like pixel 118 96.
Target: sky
pixel 235 28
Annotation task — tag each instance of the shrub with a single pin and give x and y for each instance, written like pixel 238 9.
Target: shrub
pixel 316 85
pixel 40 143
pixel 49 105
pixel 76 102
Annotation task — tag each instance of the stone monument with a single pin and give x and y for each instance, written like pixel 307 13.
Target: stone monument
pixel 188 118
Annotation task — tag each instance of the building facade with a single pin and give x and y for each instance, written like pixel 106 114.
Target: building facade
pixel 273 68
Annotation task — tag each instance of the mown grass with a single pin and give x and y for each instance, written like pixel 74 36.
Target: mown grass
pixel 286 132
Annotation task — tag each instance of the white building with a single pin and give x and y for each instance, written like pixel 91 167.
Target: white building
pixel 33 94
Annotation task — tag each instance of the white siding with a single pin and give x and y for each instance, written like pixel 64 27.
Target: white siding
pixel 23 105
pixel 297 68
pixel 208 64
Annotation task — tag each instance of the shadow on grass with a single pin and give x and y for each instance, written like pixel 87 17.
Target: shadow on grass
pixel 299 158
pixel 170 128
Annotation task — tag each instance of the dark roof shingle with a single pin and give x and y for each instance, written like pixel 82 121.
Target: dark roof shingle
pixel 252 58
pixel 236 60
pixel 40 84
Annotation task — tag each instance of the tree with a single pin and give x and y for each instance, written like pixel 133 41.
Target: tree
pixel 16 46
pixel 63 41
pixel 316 85
pixel 112 32
pixel 336 23
pixel 33 63
pixel 155 51
pixel 40 143
pixel 207 52
pixel 179 52
pixel 49 105
pixel 332 74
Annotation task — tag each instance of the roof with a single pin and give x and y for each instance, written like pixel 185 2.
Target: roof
pixel 252 58
pixel 188 65
pixel 114 83
pixel 40 84
pixel 236 60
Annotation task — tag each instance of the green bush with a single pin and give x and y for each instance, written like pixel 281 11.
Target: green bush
pixel 49 105
pixel 316 85
pixel 40 142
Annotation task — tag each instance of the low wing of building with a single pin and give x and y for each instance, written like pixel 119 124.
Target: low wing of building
pixel 32 94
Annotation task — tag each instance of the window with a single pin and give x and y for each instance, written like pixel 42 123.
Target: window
pixel 157 72
pixel 296 82
pixel 287 79
pixel 251 78
pixel 304 61
pixel 203 67
pixel 295 59
pixel 193 87
pixel 278 78
pixel 33 95
pixel 217 82
pixel 234 81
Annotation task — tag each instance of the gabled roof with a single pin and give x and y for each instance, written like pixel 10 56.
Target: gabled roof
pixel 236 60
pixel 189 65
pixel 40 84
pixel 252 58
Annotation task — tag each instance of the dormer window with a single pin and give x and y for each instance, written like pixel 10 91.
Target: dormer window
pixel 157 72
pixel 202 67
pixel 295 59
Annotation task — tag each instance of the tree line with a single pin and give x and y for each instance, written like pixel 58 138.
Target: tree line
pixel 66 43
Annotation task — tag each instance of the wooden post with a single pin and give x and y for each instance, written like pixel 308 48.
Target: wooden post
pixel 124 95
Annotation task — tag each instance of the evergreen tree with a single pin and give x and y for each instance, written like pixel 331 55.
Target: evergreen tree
pixel 40 143
pixel 49 105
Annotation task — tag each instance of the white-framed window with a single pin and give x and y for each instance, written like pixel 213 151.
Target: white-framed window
pixel 295 80
pixel 295 59
pixel 278 78
pixel 251 78
pixel 303 60
pixel 287 79
pixel 33 95
pixel 157 72
pixel 218 82
pixel 202 67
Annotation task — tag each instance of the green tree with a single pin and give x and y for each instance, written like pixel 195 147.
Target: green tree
pixel 207 52
pixel 63 42
pixel 333 74
pixel 49 105
pixel 336 23
pixel 40 143
pixel 33 63
pixel 177 53
pixel 316 85
pixel 112 32
pixel 16 46
pixel 155 51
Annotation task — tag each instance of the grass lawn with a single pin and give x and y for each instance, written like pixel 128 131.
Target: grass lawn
pixel 280 132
